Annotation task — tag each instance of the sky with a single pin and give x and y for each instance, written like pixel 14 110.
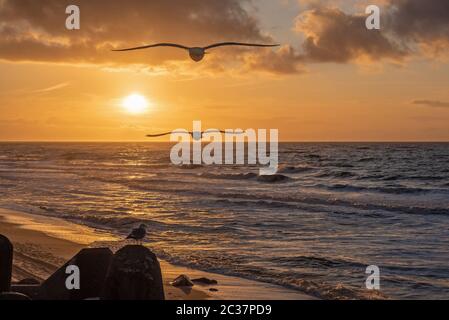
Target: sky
pixel 331 79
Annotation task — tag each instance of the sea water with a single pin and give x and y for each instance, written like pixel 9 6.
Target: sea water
pixel 336 209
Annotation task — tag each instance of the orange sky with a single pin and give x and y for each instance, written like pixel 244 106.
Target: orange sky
pixel 330 80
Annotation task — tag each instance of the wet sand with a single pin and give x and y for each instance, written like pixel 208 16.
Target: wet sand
pixel 43 244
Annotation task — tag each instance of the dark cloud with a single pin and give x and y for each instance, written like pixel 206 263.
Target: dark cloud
pixel 419 20
pixel 334 36
pixel 423 24
pixel 286 60
pixel 35 30
pixel 409 28
pixel 432 103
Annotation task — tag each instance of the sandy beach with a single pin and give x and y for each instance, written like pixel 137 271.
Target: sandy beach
pixel 42 244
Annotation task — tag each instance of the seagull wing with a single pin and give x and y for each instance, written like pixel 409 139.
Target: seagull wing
pixel 222 131
pixel 167 133
pixel 154 46
pixel 137 234
pixel 132 235
pixel 158 135
pixel 222 44
pixel 240 132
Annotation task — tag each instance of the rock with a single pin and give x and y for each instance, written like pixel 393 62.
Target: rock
pixel 6 253
pixel 213 290
pixel 272 178
pixel 28 281
pixel 93 264
pixel 182 281
pixel 13 296
pixel 205 281
pixel 134 274
pixel 30 290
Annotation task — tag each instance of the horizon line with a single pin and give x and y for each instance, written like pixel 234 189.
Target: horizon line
pixel 282 141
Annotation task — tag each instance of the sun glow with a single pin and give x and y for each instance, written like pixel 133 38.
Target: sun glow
pixel 135 104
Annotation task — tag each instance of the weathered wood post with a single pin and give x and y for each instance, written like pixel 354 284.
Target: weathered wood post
pixel 6 253
pixel 134 274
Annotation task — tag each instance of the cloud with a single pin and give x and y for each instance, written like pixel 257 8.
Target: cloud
pixel 410 28
pixel 432 103
pixel 52 88
pixel 420 20
pixel 335 36
pixel 286 60
pixel 422 23
pixel 35 30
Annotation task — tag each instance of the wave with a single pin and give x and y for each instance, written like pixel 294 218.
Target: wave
pixel 190 166
pixel 234 266
pixel 314 204
pixel 120 223
pixel 316 261
pixel 274 178
pixel 229 176
pixel 427 178
pixel 368 159
pixel 339 174
pixel 247 176
pixel 294 169
pixel 392 178
pixel 342 165
pixel 371 177
pixel 298 200
pixel 389 190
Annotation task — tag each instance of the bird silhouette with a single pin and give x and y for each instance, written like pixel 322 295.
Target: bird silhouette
pixel 197 135
pixel 138 234
pixel 197 53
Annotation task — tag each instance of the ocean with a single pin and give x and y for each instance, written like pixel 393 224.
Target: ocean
pixel 335 209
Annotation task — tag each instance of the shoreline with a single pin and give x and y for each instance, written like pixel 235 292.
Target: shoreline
pixel 42 244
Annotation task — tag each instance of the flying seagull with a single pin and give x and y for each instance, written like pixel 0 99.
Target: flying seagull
pixel 197 135
pixel 139 233
pixel 197 53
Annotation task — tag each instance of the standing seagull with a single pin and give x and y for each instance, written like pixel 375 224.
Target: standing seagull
pixel 138 234
pixel 197 53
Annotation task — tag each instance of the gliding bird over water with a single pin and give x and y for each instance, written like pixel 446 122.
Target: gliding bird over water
pixel 197 53
pixel 196 135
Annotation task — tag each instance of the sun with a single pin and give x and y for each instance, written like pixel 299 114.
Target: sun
pixel 135 104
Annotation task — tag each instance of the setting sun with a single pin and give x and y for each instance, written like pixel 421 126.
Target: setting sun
pixel 135 104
